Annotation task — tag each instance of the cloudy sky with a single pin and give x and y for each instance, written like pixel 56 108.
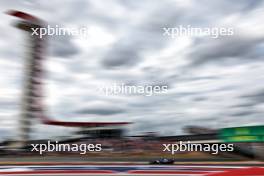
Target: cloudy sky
pixel 213 82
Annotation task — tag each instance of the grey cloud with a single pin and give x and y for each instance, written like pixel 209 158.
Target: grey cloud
pixel 231 49
pixel 244 105
pixel 251 5
pixel 9 105
pixel 62 46
pixel 256 97
pixel 200 98
pixel 244 113
pixel 124 56
pixel 141 38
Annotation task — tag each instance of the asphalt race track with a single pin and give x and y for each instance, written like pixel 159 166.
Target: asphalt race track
pixel 131 169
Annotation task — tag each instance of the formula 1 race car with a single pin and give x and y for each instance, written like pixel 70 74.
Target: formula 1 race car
pixel 162 161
